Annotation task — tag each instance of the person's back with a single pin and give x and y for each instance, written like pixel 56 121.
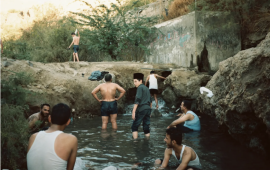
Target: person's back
pixel 193 124
pixel 108 91
pixel 76 40
pixel 53 149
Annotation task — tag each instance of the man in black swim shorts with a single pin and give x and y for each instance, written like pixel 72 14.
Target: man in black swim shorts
pixel 76 41
pixel 108 102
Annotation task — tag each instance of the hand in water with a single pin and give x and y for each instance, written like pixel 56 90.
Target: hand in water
pixel 157 107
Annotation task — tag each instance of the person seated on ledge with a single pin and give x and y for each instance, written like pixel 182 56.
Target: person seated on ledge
pixel 41 117
pixel 189 121
pixel 185 156
pixel 52 149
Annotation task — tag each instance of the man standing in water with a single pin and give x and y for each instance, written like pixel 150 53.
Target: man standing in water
pixel 52 149
pixel 142 107
pixel 185 156
pixel 153 85
pixel 76 41
pixel 108 102
pixel 41 116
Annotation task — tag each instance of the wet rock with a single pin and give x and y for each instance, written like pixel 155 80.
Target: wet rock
pixel 156 113
pixel 241 98
pixel 169 95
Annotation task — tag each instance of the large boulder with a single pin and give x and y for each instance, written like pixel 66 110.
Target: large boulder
pixel 184 84
pixel 241 101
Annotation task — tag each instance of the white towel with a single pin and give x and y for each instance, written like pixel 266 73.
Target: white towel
pixel 210 93
pixel 76 31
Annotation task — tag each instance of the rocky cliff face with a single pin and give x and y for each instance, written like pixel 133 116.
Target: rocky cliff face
pixel 241 100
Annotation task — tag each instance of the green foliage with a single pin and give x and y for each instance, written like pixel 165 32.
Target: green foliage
pixel 114 29
pixel 131 4
pixel 14 126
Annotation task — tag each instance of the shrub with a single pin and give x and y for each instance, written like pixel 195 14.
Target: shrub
pixel 14 126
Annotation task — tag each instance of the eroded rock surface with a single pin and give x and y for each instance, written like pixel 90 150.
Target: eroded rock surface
pixel 241 100
pixel 183 84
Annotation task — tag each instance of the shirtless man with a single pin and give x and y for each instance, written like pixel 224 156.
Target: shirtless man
pixel 185 156
pixel 76 41
pixel 153 85
pixel 108 102
pixel 41 116
pixel 52 149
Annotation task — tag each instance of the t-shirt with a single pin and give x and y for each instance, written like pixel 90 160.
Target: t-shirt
pixel 143 98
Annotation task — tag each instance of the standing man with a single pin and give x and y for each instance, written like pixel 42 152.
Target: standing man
pixel 142 107
pixel 108 102
pixel 76 41
pixel 153 85
pixel 52 149
pixel 41 117
pixel 185 156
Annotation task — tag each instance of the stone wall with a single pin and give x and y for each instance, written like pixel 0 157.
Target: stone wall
pixel 196 40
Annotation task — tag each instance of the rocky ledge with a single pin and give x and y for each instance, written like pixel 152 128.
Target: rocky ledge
pixel 241 101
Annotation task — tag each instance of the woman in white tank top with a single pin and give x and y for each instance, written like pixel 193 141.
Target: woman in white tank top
pixel 153 85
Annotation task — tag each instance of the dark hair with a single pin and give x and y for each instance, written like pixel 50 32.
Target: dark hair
pixel 139 79
pixel 72 33
pixel 152 72
pixel 45 104
pixel 187 104
pixel 108 77
pixel 175 134
pixel 60 114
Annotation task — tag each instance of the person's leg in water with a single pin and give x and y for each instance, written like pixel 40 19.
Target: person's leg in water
pixel 155 96
pixel 104 121
pixel 146 123
pixel 113 121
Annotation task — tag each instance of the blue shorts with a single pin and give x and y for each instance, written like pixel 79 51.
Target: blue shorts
pixel 76 48
pixel 142 116
pixel 108 108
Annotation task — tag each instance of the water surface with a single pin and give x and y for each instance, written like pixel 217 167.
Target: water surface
pixel 98 148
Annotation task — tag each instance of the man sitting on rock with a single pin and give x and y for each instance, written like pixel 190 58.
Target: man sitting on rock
pixel 188 121
pixel 38 121
pixel 52 149
pixel 108 102
pixel 185 156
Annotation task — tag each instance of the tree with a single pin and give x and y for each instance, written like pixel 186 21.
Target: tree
pixel 114 29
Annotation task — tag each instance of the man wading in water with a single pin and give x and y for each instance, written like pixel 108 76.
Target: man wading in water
pixel 153 85
pixel 41 116
pixel 76 41
pixel 142 107
pixel 108 102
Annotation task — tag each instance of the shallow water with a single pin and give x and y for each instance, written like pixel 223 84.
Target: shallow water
pixel 98 148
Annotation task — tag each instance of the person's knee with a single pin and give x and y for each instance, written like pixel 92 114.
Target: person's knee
pixel 158 161
pixel 113 121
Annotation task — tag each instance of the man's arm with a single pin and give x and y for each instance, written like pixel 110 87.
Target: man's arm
pixel 146 80
pixel 138 100
pixel 180 120
pixel 32 121
pixel 167 156
pixel 71 43
pixel 121 90
pixel 94 93
pixel 31 141
pixel 160 76
pixel 185 160
pixel 73 154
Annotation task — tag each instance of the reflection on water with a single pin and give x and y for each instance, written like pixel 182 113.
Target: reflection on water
pixel 102 148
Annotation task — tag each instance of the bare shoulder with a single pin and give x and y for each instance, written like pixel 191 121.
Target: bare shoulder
pixel 168 151
pixel 33 116
pixel 68 137
pixel 187 152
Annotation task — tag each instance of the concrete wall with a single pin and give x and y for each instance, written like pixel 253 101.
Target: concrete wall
pixel 196 40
